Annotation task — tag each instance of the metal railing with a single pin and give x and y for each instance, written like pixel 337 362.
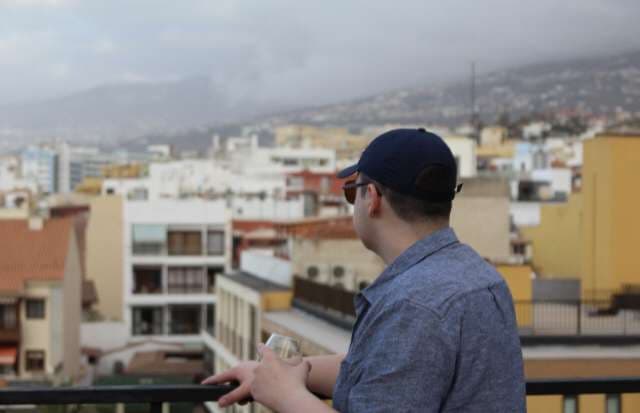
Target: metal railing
pixel 155 396
pixel 575 318
pixel 324 296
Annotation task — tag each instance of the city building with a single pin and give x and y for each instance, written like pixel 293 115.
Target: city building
pixel 321 193
pixel 263 283
pixel 105 255
pixel 173 253
pixel 40 310
pixel 594 232
pixel 480 217
pixel 464 150
pixel 347 145
pixel 40 165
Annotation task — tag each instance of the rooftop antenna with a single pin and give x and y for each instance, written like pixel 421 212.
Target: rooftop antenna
pixel 475 119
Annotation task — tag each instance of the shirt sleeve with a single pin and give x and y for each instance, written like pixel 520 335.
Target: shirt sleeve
pixel 407 362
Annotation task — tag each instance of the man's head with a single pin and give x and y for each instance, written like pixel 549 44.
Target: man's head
pixel 404 177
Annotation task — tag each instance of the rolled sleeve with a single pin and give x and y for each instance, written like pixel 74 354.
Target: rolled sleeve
pixel 409 363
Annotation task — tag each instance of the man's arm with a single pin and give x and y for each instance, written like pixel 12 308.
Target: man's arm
pixel 324 373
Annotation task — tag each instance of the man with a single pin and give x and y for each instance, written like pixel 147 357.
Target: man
pixel 435 332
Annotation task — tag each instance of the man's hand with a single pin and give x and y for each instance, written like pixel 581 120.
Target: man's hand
pixel 276 383
pixel 243 373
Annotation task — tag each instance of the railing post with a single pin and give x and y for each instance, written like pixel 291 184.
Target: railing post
pixel 156 407
pixel 579 310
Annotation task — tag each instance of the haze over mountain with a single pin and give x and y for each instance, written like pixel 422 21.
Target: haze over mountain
pixel 128 110
pixel 597 85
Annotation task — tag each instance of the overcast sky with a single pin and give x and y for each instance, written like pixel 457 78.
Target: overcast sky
pixel 295 51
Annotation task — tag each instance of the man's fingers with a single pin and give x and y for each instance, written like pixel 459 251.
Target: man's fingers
pixel 239 394
pixel 266 353
pixel 223 377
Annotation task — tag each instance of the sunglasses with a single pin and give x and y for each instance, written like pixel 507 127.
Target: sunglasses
pixel 351 187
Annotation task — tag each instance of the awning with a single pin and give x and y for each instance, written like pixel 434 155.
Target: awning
pixel 8 356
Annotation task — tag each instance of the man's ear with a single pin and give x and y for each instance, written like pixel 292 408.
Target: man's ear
pixel 375 203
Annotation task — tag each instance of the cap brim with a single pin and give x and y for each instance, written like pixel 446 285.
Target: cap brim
pixel 347 172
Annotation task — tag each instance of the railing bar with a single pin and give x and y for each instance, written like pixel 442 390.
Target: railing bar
pixel 114 394
pixel 155 408
pixel 584 386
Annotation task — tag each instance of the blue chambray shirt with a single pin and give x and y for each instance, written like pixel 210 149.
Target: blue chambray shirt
pixel 436 332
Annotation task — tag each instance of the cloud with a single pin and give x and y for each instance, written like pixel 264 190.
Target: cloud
pixel 294 51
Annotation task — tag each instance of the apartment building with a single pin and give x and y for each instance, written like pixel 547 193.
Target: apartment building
pixel 40 300
pixel 174 251
pixel 595 232
pixel 262 284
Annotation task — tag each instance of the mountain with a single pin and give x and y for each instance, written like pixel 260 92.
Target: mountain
pixel 122 111
pixel 185 110
pixel 601 85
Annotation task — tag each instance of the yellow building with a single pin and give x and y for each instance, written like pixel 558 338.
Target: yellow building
pixel 594 236
pixel 90 186
pixel 104 254
pixel 557 241
pixel 133 170
pixel 347 145
pixel 611 226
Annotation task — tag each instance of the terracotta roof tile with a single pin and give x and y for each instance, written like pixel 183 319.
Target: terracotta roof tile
pixel 30 255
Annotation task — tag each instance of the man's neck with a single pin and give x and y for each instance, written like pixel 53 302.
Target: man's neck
pixel 403 236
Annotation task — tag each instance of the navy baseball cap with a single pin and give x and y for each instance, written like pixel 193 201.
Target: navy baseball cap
pixel 399 160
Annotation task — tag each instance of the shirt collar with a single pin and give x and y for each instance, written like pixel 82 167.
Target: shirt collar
pixel 420 250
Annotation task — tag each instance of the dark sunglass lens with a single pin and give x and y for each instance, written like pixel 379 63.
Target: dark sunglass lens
pixel 350 194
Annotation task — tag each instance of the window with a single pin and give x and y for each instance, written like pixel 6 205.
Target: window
pixel 35 309
pixel 185 280
pixel 185 243
pixel 149 239
pixel 613 403
pixel 212 274
pixel 211 318
pixel 147 321
pixel 8 319
pixel 147 280
pixel 35 360
pixel 185 320
pixel 570 404
pixel 215 242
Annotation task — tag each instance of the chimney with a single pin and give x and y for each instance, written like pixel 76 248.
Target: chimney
pixel 36 223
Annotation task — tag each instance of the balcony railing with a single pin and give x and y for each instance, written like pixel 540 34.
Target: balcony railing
pixel 591 319
pixel 155 396
pixel 538 321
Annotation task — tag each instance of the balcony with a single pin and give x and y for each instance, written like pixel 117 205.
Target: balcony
pixel 9 334
pixel 147 280
pixel 156 396
pixel 540 322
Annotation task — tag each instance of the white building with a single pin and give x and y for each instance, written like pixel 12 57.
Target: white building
pixel 464 150
pixel 173 252
pixel 39 164
pixel 10 176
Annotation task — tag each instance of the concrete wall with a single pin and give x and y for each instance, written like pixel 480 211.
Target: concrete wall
pixel 556 242
pixel 556 290
pixel 36 333
pixel 104 254
pixel 266 267
pixel 611 232
pixel 525 214
pixel 480 217
pixel 105 335
pixel 72 310
pixel 349 253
